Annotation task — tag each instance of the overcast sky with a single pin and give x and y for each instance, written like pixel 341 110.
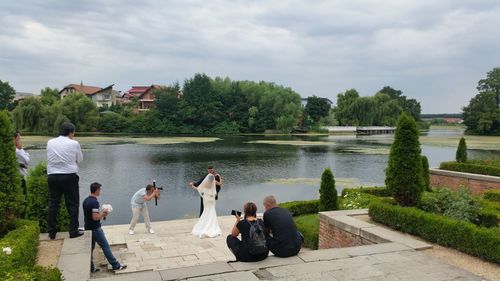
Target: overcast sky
pixel 434 51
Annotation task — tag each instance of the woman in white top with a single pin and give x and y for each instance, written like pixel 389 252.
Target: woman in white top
pixel 23 158
pixel 207 225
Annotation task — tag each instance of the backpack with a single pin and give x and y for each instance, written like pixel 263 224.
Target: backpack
pixel 256 239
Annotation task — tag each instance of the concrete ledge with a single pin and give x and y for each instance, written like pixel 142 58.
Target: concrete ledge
pixel 375 249
pixel 271 261
pixel 464 175
pixel 346 221
pixel 74 261
pixel 195 271
pixel 393 236
pixel 136 276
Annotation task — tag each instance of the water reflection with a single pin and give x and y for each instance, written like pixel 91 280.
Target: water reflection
pixel 248 170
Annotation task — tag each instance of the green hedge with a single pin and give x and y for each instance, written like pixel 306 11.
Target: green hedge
pixel 298 208
pixel 460 235
pixel 308 225
pixel 377 191
pixel 492 195
pixel 471 168
pixel 20 264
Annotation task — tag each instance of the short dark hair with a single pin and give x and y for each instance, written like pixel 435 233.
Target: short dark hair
pixel 17 133
pixel 149 187
pixel 210 167
pixel 66 129
pixel 94 187
pixel 250 209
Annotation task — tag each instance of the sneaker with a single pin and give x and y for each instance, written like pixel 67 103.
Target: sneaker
pixel 131 232
pixel 121 267
pixel 94 270
pixel 151 231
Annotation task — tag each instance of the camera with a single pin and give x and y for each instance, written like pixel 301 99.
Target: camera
pixel 159 188
pixel 236 213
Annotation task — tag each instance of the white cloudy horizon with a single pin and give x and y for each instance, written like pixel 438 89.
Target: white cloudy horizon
pixel 433 51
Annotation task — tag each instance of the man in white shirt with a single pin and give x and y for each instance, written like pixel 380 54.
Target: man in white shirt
pixel 139 206
pixel 23 158
pixel 63 156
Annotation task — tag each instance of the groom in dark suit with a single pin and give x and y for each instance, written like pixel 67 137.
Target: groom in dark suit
pixel 218 183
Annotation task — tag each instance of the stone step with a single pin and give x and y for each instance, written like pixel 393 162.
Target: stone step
pixel 74 261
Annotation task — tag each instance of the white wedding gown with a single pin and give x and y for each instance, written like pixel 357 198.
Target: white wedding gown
pixel 207 225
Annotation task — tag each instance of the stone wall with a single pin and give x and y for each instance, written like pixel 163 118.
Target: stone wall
pixel 477 184
pixel 340 231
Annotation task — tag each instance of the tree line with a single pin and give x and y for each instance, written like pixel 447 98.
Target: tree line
pixel 482 114
pixel 205 105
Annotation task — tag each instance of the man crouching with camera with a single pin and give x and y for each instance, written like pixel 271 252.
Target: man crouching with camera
pixel 139 206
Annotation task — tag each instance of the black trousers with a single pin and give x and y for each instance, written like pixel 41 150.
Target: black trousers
pixel 67 185
pixel 241 252
pixel 279 251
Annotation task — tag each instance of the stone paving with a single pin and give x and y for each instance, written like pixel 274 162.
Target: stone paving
pixel 172 245
pixel 172 253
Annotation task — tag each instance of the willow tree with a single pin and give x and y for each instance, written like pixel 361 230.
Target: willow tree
pixel 404 169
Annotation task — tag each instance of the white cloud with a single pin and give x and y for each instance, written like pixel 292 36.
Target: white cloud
pixel 430 50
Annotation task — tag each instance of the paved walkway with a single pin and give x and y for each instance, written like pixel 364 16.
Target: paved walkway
pixel 172 245
pixel 172 253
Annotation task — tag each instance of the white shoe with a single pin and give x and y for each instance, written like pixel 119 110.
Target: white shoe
pixel 131 232
pixel 151 231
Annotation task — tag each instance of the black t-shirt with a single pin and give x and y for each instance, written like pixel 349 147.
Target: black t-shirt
pixel 90 205
pixel 280 222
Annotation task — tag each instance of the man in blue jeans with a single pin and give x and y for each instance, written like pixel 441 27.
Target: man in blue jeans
pixel 93 222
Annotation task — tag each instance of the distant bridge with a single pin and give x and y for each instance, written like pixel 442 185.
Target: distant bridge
pixel 360 130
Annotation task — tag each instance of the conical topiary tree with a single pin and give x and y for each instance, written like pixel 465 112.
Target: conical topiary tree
pixel 425 173
pixel 461 155
pixel 327 192
pixel 11 194
pixel 403 175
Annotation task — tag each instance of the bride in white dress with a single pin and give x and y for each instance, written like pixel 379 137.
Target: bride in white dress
pixel 207 225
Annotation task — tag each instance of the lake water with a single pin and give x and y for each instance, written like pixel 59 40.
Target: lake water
pixel 250 170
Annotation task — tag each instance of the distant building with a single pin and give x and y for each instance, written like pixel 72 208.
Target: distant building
pixel 144 94
pixel 303 101
pixel 100 96
pixel 22 95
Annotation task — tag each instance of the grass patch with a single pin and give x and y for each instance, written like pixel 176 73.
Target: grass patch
pixel 308 225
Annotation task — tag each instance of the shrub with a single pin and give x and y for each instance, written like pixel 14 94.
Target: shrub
pixel 328 200
pixel 458 205
pixel 489 215
pixel 377 191
pixel 425 173
pixel 19 265
pixel 404 169
pixel 37 209
pixel 463 236
pixel 461 154
pixel 298 208
pixel 470 168
pixel 356 199
pixel 492 195
pixel 11 195
pixel 308 225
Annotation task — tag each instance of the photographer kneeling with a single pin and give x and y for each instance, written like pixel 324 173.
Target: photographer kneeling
pixel 252 246
pixel 139 206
